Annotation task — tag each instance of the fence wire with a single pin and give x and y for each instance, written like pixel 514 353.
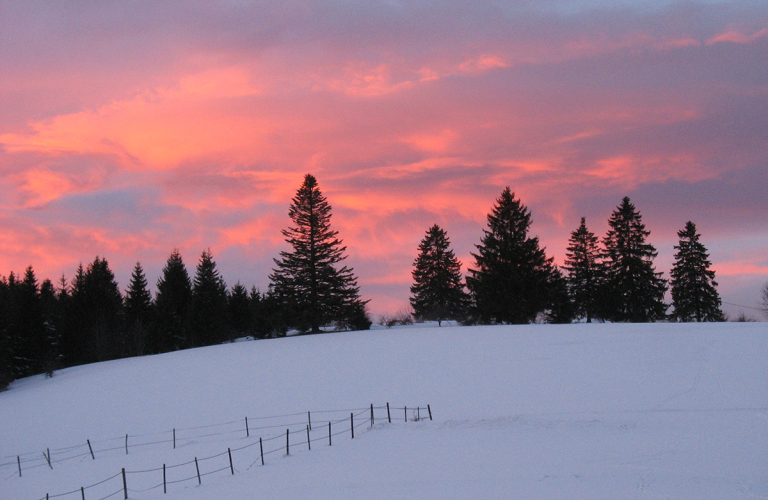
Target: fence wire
pixel 304 430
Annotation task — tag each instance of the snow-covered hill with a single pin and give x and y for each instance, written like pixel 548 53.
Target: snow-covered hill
pixel 538 411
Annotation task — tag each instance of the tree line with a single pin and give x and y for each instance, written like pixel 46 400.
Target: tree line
pixel 44 327
pixel 514 281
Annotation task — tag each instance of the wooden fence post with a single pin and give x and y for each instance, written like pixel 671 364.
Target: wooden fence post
pixel 309 420
pixel 174 438
pixel 231 467
pixel 126 444
pixel 91 449
pixel 82 492
pixel 48 458
pixel 197 467
pixel 371 414
pixel 430 412
pixel 352 424
pixel 287 435
pixel 247 431
pixel 405 412
pixel 262 451
pixel 18 461
pixel 329 434
pixel 389 417
pixel 165 488
pixel 309 442
pixel 125 486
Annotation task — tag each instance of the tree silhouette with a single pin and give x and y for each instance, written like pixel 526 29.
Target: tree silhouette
pixel 585 271
pixel 309 279
pixel 694 289
pixel 512 278
pixel 634 291
pixel 437 293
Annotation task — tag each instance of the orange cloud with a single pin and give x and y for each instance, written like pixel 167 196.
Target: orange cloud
pixel 157 129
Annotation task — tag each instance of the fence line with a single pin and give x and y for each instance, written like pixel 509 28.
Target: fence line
pixel 306 431
pixel 34 459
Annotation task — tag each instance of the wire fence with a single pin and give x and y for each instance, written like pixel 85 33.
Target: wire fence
pixel 298 435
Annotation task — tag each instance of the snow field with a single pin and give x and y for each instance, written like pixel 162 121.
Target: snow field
pixel 535 411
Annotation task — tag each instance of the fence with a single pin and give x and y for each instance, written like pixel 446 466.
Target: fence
pixel 297 434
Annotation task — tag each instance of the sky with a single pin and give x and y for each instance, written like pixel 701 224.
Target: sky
pixel 131 128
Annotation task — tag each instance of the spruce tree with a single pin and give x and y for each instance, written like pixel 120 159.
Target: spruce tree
pixel 512 279
pixel 561 309
pixel 209 303
pixel 50 357
pixel 239 306
pixel 97 306
pixel 634 291
pixel 309 278
pixel 438 292
pixel 138 311
pixel 6 359
pixel 585 271
pixel 30 337
pixel 172 306
pixel 694 289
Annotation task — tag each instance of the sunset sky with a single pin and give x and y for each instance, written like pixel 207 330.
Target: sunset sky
pixel 130 128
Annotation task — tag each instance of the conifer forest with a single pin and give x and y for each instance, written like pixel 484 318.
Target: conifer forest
pixel 47 325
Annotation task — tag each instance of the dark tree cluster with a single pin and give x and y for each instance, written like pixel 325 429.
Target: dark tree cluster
pixel 514 281
pixel 44 328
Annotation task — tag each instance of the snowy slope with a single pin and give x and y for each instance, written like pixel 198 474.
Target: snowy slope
pixel 537 411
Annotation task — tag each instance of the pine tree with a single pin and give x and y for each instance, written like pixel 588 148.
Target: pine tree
pixel 138 311
pixel 6 358
pixel 97 306
pixel 172 305
pixel 561 309
pixel 585 271
pixel 438 292
pixel 634 291
pixel 50 357
pixel 209 303
pixel 239 305
pixel 29 333
pixel 308 279
pixel 694 289
pixel 512 279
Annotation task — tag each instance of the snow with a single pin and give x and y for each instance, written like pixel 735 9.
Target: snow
pixel 596 411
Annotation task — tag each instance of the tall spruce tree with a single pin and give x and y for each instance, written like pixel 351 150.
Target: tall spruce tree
pixel 172 307
pixel 309 279
pixel 437 293
pixel 512 279
pixel 694 289
pixel 209 303
pixel 97 306
pixel 30 336
pixel 138 311
pixel 634 291
pixel 585 271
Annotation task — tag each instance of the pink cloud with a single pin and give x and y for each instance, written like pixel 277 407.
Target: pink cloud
pixel 736 36
pixel 407 115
